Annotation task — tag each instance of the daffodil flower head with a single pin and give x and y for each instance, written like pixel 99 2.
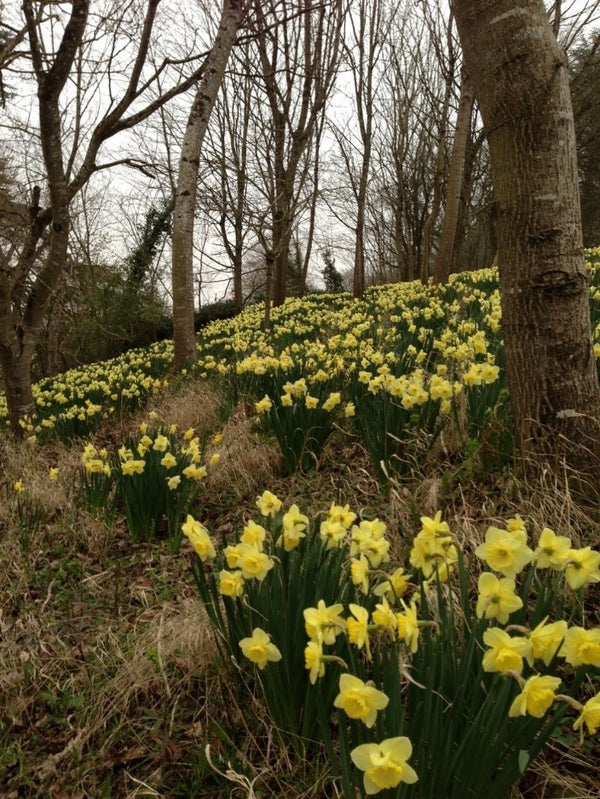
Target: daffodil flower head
pixel 254 534
pixel 358 627
pixel 313 659
pixel 359 573
pixel 259 649
pixel 537 694
pixel 231 583
pixel 407 626
pixel 547 638
pixel 505 551
pixel 359 700
pixel 383 616
pixel 253 563
pixel 581 647
pixel 552 551
pixel 394 587
pixel 497 598
pixel 582 567
pixel 589 717
pixel 505 653
pixel 268 504
pixel 324 622
pixel 385 764
pixel 199 538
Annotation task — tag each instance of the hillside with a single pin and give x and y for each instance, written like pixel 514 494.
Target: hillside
pixel 113 680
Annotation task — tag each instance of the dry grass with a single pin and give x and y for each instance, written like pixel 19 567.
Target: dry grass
pixel 110 685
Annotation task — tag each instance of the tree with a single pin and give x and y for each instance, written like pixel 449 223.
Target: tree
pixel 187 181
pixel 334 282
pixel 68 67
pixel 521 81
pixel 299 48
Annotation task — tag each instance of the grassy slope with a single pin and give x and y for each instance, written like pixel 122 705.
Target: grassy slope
pixel 109 679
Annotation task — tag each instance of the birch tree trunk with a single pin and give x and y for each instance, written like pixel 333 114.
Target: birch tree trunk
pixel 187 181
pixel 521 82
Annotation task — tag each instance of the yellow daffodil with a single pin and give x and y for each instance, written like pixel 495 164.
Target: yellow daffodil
pixel 546 639
pixel 133 467
pixel 268 504
pixel 505 551
pixel 324 622
pixel 497 598
pixel 407 626
pixel 199 538
pixel 394 587
pixel 254 534
pixel 253 564
pixel 581 647
pixel 168 460
pixel 537 694
pixel 313 659
pixel 505 653
pixel 231 583
pixel 264 405
pixel 383 616
pixel 332 533
pixel 552 550
pixel 259 649
pixel 173 482
pixel 359 700
pixel 385 764
pixel 359 573
pixel 358 628
pixel 582 567
pixel 589 717
pixel 293 523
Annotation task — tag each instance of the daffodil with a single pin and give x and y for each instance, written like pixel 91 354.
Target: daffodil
pixel 383 616
pixel 359 700
pixel 582 567
pixel 324 622
pixel 497 598
pixel 253 563
pixel 505 551
pixel 385 764
pixel 264 405
pixel 407 626
pixel 394 587
pixel 581 647
pixel 173 482
pixel 358 627
pixel 505 653
pixel 268 504
pixel 254 534
pixel 552 551
pixel 294 523
pixel 547 638
pixel 589 716
pixel 199 538
pixel 259 649
pixel 231 583
pixel 313 659
pixel 537 694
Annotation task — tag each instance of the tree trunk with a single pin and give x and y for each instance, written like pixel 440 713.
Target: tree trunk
pixel 520 79
pixel 445 261
pixel 187 181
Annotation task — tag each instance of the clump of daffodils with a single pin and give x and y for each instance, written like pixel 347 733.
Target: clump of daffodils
pixel 403 653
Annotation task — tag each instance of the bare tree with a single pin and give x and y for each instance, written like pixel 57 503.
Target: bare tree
pixel 66 62
pixel 299 50
pixel 185 196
